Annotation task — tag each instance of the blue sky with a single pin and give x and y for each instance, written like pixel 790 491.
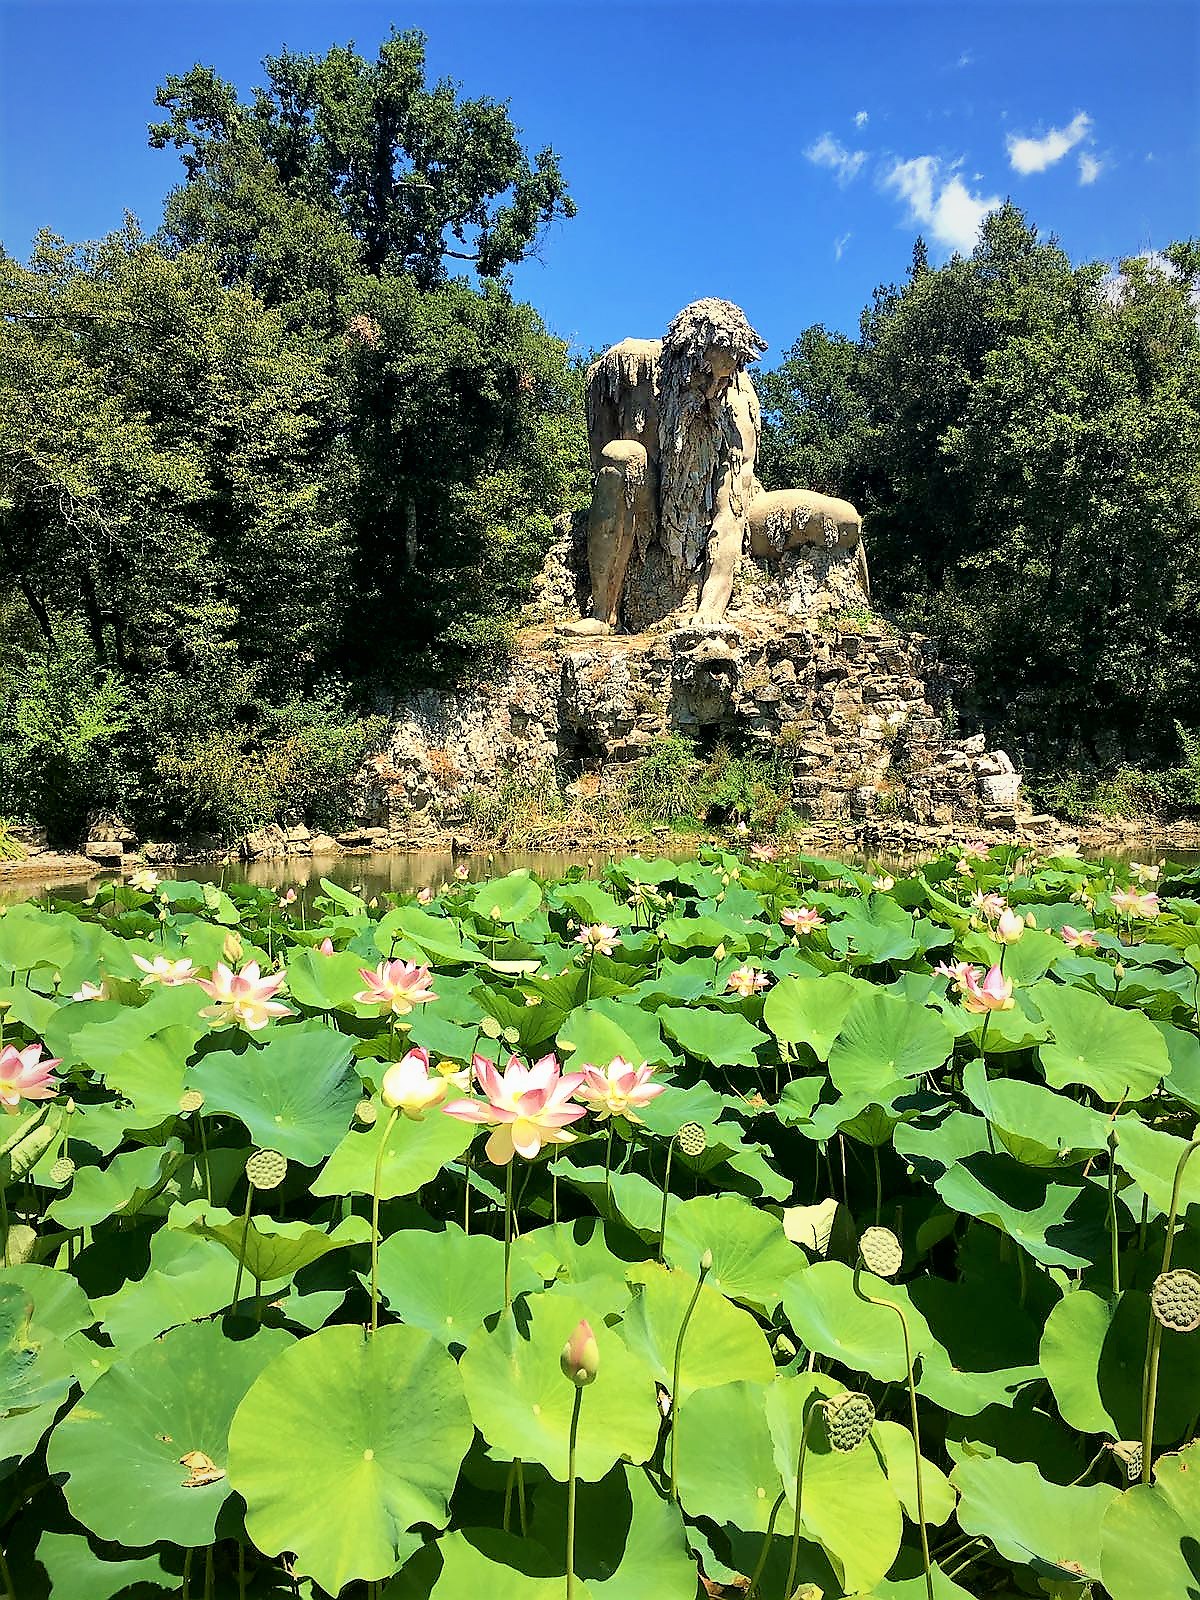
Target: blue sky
pixel 783 156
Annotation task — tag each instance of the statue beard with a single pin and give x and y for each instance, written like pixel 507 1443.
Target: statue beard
pixel 696 436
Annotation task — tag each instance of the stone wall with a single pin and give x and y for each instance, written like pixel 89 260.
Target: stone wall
pixel 855 707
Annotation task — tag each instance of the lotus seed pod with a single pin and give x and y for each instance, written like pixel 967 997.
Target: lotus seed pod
pixel 190 1100
pixel 1175 1300
pixel 366 1112
pixel 693 1140
pixel 62 1171
pixel 849 1418
pixel 1129 1453
pixel 881 1252
pixel 491 1028
pixel 266 1169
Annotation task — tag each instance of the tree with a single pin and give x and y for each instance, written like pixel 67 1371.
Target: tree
pixel 336 148
pixel 814 414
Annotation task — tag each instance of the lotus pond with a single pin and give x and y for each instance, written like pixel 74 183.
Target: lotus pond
pixel 717 1227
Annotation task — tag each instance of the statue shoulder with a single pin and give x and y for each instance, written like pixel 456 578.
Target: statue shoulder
pixel 625 365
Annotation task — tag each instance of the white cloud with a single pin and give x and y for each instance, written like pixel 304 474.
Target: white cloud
pixel 941 203
pixel 1090 167
pixel 861 118
pixel 839 245
pixel 1027 155
pixel 964 60
pixel 844 164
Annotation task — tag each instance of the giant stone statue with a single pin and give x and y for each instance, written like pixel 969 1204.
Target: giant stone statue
pixel 674 425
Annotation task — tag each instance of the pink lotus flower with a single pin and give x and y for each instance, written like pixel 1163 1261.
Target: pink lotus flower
pixel 92 991
pixel 1009 927
pixel 989 903
pixel 424 896
pixel 326 947
pixel 25 1076
pixel 1078 938
pixel 242 998
pixel 963 867
pixel 961 973
pixel 975 850
pixel 288 899
pixel 526 1107
pixel 580 1359
pixel 396 987
pixel 619 1090
pixel 162 970
pixel 408 1087
pixel 598 939
pixel 763 852
pixel 802 919
pixel 1129 903
pixel 994 993
pixel 462 873
pixel 747 981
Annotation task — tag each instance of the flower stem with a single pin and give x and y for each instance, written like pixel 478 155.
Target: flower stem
pixel 508 1232
pixel 608 1164
pixel 789 1586
pixel 375 1187
pixel 662 1221
pixel 241 1266
pixel 578 1402
pixel 1154 1342
pixel 683 1327
pixel 890 1305
pixel 764 1552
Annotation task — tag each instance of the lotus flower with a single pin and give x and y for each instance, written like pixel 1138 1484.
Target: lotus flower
pixel 883 884
pixel 989 903
pixel 288 899
pixel 396 987
pixel 961 973
pixel 326 947
pixel 993 993
pixel 408 1087
pixel 526 1107
pixel 1129 903
pixel 144 880
pixel 975 850
pixel 462 873
pixel 162 970
pixel 25 1076
pixel 598 939
pixel 746 981
pixel 1145 873
pixel 763 852
pixel 1078 938
pixel 424 896
pixel 1009 927
pixel 580 1359
pixel 964 867
pixel 619 1089
pixel 92 991
pixel 243 997
pixel 802 919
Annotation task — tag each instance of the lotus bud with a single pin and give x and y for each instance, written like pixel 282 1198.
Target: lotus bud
pixel 719 954
pixel 849 1418
pixel 706 1262
pixel 232 948
pixel 1129 1453
pixel 1175 1300
pixel 881 1252
pixel 1119 971
pixel 1009 927
pixel 266 1169
pixel 580 1359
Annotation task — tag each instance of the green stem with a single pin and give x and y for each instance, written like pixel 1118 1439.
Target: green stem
pixel 4 1223
pixel 1154 1342
pixel 208 1573
pixel 10 1588
pixel 1114 1238
pixel 683 1326
pixel 187 1574
pixel 1075 1482
pixel 204 1156
pixel 662 1221
pixel 387 1133
pixel 765 1551
pixel 790 1585
pixel 890 1305
pixel 241 1569
pixel 241 1267
pixel 578 1402
pixel 878 1183
pixel 467 1194
pixel 508 1231
pixel 608 1164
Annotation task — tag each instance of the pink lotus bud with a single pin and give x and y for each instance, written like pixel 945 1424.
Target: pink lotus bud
pixel 1009 926
pixel 580 1359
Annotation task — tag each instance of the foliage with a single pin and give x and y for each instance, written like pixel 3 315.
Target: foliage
pixel 672 783
pixel 1023 437
pixel 1031 1165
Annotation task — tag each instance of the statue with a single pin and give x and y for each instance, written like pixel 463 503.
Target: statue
pixel 674 426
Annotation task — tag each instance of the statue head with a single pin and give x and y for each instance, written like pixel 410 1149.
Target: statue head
pixel 710 340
